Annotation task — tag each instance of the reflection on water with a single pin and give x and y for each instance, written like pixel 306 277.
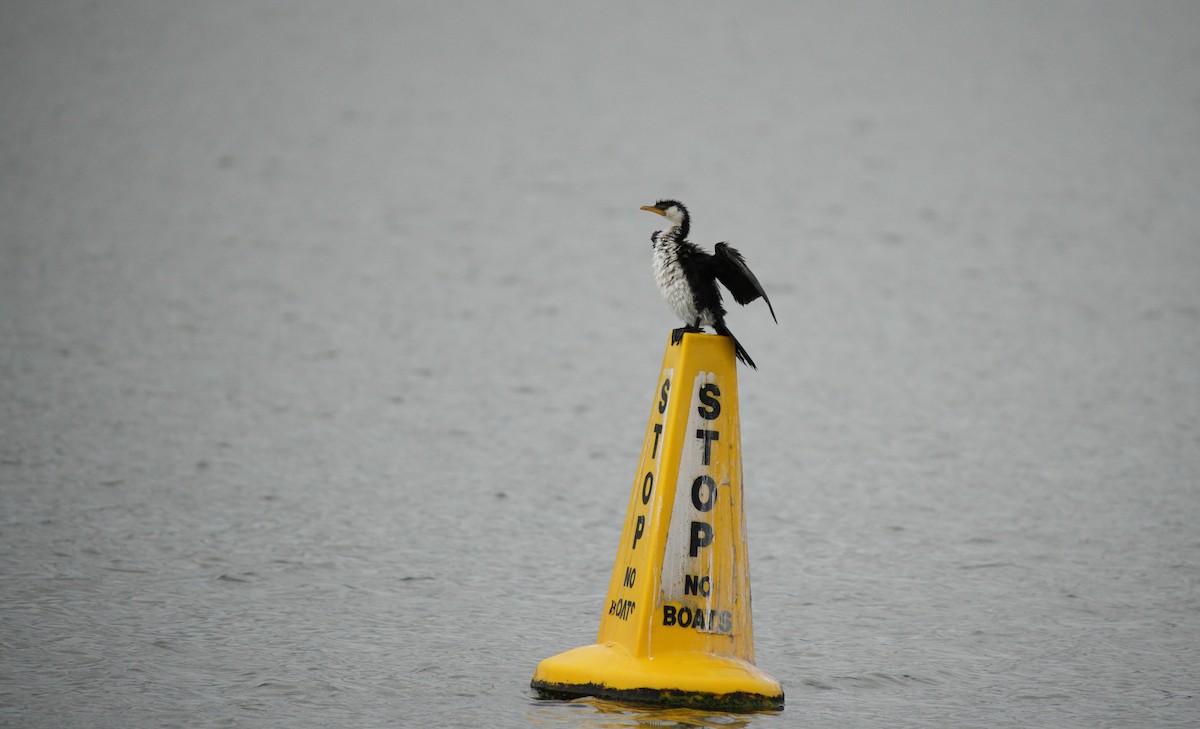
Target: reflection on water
pixel 593 713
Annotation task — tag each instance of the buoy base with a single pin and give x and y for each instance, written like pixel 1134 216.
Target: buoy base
pixel 695 680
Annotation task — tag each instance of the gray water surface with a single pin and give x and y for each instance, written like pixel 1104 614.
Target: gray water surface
pixel 328 335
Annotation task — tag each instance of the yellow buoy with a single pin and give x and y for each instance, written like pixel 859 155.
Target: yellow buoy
pixel 676 626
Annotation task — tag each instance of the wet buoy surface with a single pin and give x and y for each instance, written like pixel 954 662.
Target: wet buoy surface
pixel 676 623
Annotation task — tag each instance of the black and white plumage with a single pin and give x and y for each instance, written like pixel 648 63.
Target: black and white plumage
pixel 687 276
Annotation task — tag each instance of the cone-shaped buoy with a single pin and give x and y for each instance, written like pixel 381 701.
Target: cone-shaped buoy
pixel 675 627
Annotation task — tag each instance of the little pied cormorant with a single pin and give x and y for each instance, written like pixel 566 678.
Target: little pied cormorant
pixel 687 277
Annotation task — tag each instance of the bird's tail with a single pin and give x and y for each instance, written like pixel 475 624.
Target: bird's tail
pixel 738 349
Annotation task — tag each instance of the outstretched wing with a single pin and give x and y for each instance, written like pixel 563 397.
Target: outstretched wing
pixel 732 271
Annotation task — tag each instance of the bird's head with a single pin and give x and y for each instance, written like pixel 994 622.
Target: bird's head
pixel 672 210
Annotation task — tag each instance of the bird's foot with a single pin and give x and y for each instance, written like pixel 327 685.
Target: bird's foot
pixel 677 334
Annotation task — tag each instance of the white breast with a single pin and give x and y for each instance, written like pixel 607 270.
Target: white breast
pixel 673 283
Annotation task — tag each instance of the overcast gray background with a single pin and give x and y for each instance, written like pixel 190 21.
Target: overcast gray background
pixel 328 335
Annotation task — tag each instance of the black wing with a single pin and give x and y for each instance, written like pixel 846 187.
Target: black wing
pixel 732 270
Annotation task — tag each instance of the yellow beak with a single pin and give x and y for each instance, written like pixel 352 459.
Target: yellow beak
pixel 653 209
